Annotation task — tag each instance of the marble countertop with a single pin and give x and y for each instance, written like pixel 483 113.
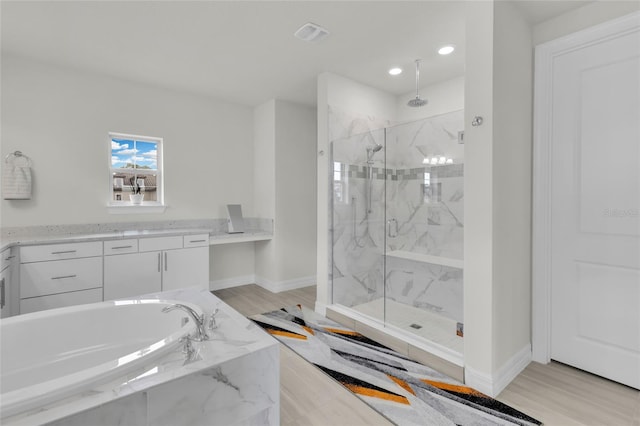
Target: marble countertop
pixel 258 229
pixel 235 337
pixel 24 240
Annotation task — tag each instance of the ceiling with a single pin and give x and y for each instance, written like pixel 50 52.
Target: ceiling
pixel 245 51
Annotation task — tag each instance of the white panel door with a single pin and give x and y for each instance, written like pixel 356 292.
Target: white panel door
pixel 595 219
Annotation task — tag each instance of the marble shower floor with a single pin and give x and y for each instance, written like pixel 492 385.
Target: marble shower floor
pixel 435 328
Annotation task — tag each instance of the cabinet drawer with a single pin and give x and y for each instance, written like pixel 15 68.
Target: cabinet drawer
pixel 60 251
pixel 160 243
pixel 60 300
pixel 120 247
pixel 198 240
pixel 60 276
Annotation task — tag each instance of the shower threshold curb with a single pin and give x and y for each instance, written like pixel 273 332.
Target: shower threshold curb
pixel 429 353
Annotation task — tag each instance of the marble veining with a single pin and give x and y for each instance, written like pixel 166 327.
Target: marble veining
pixel 417 208
pixel 234 379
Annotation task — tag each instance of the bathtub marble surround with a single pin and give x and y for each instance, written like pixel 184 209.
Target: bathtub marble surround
pixel 216 228
pixel 232 379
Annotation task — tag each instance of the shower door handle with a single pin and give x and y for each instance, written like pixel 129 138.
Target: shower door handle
pixel 392 228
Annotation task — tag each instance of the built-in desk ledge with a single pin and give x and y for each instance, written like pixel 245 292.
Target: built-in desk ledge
pixel 427 258
pixel 245 237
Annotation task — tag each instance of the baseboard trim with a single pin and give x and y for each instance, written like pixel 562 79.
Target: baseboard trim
pixel 231 282
pixel 277 287
pixel 321 308
pixel 493 384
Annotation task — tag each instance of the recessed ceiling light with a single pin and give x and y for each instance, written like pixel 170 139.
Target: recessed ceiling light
pixel 395 71
pixel 445 50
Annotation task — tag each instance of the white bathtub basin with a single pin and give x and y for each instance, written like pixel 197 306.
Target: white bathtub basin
pixel 50 355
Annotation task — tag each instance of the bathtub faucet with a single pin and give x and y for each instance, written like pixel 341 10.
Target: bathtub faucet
pixel 201 333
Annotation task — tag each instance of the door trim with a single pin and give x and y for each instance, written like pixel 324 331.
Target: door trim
pixel 545 54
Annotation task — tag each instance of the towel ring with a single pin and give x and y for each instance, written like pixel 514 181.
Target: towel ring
pixel 17 154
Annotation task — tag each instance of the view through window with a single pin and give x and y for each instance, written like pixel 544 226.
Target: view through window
pixel 136 169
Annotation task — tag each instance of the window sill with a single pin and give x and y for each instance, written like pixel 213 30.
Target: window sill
pixel 135 209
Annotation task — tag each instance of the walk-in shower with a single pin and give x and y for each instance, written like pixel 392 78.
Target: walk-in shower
pixel 397 228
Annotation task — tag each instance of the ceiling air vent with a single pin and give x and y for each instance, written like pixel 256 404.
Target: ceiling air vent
pixel 311 32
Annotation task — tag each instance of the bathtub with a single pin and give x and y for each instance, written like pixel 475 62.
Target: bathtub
pixel 50 355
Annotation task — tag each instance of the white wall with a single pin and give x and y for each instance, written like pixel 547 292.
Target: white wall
pixel 584 17
pixel 350 95
pixel 295 224
pixel 61 117
pixel 478 190
pixel 265 181
pixel 512 162
pixel 285 138
pixel 498 155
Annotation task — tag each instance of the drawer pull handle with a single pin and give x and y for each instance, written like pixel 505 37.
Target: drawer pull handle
pixel 159 261
pixel 165 261
pixel 2 301
pixel 63 252
pixel 197 241
pixel 120 247
pixel 10 257
pixel 63 277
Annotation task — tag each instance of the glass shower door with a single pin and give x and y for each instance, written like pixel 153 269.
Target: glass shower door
pixel 424 229
pixel 358 222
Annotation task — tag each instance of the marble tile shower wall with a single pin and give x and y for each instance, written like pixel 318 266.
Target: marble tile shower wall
pixel 424 204
pixel 356 272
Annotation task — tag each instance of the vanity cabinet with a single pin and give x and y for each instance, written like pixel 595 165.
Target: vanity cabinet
pixel 160 264
pixel 132 274
pixel 59 275
pixel 185 268
pixel 7 274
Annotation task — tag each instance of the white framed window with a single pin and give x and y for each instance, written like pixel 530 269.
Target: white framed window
pixel 135 173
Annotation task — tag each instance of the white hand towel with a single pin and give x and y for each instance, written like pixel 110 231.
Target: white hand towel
pixel 16 182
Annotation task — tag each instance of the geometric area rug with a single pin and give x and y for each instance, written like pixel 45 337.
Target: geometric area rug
pixel 402 390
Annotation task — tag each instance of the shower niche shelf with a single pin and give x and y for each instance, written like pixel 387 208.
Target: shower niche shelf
pixel 427 258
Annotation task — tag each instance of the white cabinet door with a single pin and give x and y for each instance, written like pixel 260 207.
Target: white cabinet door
pixel 186 268
pixel 129 275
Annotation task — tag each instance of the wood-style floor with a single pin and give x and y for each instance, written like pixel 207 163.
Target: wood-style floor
pixel 556 394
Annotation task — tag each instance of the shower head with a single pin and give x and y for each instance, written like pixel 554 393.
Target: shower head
pixel 372 150
pixel 417 101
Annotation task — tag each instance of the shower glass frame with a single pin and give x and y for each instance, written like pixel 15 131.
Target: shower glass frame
pixel 368 273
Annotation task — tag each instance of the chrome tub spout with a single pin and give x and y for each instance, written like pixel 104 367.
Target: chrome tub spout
pixel 199 320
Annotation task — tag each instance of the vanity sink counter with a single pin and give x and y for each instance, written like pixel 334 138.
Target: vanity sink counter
pixel 257 230
pixel 27 240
